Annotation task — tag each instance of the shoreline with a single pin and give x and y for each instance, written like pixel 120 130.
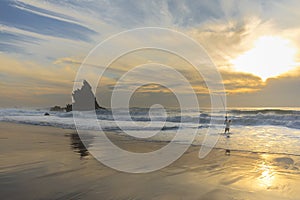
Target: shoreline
pixel 133 139
pixel 41 162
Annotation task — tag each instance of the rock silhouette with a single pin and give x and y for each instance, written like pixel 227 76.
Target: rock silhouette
pixel 69 107
pixel 57 108
pixel 84 99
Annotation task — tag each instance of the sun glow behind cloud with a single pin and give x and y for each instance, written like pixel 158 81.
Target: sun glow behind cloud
pixel 270 57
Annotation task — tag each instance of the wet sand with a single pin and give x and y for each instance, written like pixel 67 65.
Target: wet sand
pixel 39 162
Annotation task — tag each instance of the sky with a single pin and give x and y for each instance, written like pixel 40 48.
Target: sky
pixel 253 43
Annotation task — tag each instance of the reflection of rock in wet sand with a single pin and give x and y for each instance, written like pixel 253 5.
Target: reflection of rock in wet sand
pixel 78 146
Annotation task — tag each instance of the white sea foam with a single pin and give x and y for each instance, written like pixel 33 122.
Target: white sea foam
pixel 256 130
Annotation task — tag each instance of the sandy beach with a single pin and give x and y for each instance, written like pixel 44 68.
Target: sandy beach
pixel 40 162
pixel 149 100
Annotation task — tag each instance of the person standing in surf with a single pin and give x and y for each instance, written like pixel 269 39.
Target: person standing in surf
pixel 227 125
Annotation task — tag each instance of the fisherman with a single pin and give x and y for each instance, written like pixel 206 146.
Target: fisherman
pixel 227 125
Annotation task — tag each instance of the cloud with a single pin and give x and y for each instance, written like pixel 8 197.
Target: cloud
pixel 29 80
pixel 223 27
pixel 43 42
pixel 277 92
pixel 68 60
pixel 28 18
pixel 238 82
pixel 225 40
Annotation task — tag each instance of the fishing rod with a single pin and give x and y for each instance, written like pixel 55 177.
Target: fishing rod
pixel 226 117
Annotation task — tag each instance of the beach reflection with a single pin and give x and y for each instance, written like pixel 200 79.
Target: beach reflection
pixel 78 146
pixel 267 173
pixel 227 152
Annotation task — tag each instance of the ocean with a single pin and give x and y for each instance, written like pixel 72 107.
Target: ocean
pixel 261 130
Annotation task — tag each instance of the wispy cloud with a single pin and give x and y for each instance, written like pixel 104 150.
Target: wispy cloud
pixel 28 18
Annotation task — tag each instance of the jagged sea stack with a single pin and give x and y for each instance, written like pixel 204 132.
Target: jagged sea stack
pixel 84 99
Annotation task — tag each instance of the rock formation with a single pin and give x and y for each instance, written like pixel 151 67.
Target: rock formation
pixel 84 99
pixel 57 108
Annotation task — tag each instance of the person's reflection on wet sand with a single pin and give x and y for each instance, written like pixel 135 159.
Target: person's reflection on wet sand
pixel 227 152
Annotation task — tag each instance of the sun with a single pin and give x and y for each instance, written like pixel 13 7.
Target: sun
pixel 270 57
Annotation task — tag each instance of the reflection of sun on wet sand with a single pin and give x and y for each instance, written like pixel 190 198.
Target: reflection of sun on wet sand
pixel 267 177
pixel 37 163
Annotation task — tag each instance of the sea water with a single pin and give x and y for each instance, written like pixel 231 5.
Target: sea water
pixel 266 130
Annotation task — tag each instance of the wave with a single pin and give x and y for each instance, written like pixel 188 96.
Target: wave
pixel 265 111
pixel 260 130
pixel 258 117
